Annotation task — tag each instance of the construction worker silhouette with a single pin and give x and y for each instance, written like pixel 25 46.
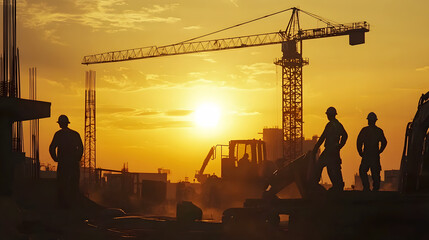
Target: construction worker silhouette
pixel 245 167
pixel 66 148
pixel 370 143
pixel 244 161
pixel 335 137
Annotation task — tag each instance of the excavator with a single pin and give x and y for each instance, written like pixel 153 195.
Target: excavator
pixel 253 149
pixel 243 173
pixel 322 214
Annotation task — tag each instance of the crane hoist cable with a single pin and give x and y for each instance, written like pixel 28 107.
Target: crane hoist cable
pixel 324 20
pixel 236 25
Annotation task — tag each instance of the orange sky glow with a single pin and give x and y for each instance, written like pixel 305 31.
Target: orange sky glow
pixel 147 110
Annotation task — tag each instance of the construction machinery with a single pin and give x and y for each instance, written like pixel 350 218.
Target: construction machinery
pixel 241 153
pixel 415 157
pixel 322 214
pixel 291 62
pixel 244 171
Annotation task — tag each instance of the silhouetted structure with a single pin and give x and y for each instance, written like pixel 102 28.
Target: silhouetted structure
pixel 243 173
pixel 10 80
pixel 34 128
pixel 371 142
pixel 132 191
pixel 66 148
pixel 89 157
pixel 13 109
pixel 335 137
pixel 291 62
pixel 415 158
pixel 392 179
pixel 273 138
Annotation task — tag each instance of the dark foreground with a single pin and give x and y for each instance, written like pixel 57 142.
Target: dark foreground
pixel 33 213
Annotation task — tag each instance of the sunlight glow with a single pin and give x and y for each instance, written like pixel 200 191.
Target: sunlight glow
pixel 207 115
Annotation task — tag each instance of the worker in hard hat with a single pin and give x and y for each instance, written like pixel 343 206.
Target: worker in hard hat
pixel 371 142
pixel 335 137
pixel 67 149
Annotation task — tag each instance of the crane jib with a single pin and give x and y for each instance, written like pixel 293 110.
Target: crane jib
pixel 354 30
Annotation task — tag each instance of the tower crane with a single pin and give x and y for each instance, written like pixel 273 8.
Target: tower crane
pixel 291 62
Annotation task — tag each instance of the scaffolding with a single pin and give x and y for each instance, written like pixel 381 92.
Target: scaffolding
pixel 88 164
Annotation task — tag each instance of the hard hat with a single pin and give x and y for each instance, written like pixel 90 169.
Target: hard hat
pixel 372 116
pixel 331 111
pixel 63 119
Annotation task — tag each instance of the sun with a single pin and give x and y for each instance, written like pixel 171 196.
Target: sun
pixel 207 115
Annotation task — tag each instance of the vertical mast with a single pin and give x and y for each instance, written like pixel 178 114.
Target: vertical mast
pixel 89 161
pixel 5 77
pixel 292 63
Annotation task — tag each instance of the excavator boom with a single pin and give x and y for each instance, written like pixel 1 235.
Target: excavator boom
pixel 200 174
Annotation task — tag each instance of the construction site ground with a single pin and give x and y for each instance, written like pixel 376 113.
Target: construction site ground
pixel 32 212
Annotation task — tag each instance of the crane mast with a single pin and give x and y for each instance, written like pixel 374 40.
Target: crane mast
pixel 292 107
pixel 291 63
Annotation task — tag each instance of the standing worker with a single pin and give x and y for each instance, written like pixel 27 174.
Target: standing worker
pixel 370 138
pixel 66 148
pixel 335 137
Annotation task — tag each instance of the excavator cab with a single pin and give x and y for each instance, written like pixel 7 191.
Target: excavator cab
pixel 245 161
pixel 243 172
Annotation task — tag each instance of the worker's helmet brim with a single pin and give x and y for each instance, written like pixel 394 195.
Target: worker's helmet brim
pixel 63 119
pixel 331 111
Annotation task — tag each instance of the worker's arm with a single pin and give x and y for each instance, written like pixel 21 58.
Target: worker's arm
pixel 319 142
pixel 79 150
pixel 359 143
pixel 383 142
pixel 344 137
pixel 52 149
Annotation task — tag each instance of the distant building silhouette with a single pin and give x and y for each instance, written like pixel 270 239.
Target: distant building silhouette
pixel 273 138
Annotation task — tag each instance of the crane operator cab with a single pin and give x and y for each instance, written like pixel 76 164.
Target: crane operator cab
pixel 246 161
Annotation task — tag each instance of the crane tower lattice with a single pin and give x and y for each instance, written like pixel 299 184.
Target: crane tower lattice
pixel 89 161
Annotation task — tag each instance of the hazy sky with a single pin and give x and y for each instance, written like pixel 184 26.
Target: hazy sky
pixel 145 108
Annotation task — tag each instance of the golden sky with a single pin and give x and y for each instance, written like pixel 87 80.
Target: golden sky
pixel 145 108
